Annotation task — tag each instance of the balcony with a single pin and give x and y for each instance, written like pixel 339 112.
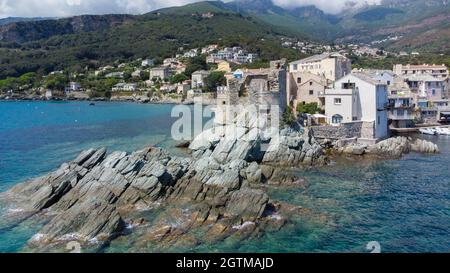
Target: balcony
pixel 399 106
pixel 406 115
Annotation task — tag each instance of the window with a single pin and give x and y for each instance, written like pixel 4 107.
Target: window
pixel 348 85
pixel 379 120
pixel 388 82
pixel 355 118
pixel 337 119
pixel 299 80
pixel 433 92
pixel 311 92
pixel 337 101
pixel 295 67
pixel 310 83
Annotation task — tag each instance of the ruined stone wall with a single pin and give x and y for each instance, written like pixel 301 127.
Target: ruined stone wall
pixel 345 130
pixel 368 130
pixel 357 129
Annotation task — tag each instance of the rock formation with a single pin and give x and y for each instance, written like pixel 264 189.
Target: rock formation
pixel 218 191
pixel 392 147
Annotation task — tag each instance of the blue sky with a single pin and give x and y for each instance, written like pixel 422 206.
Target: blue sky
pixel 62 8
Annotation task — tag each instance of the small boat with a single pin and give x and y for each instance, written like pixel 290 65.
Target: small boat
pixel 443 131
pixel 427 131
pixel 92 104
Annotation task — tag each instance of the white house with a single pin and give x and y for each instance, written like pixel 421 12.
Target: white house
pixel 137 74
pixel 332 66
pixel 116 75
pixel 148 62
pixel 191 53
pixel 386 76
pixel 198 79
pixel 426 86
pixel 437 71
pixel 131 87
pixel 73 87
pixel 358 97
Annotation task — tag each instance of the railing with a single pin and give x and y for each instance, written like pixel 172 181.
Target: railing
pixel 405 116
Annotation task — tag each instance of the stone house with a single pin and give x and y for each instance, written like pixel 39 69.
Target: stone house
pixel 305 87
pixel 332 66
pixel 161 73
pixel 199 79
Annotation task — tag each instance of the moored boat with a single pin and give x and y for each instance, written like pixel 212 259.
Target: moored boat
pixel 443 131
pixel 427 131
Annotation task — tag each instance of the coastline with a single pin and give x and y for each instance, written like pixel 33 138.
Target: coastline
pixel 150 102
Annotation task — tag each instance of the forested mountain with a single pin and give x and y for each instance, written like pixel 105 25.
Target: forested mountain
pixel 81 41
pixel 75 42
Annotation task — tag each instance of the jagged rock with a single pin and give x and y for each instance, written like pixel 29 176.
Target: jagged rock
pixel 183 144
pixel 247 204
pixel 398 146
pixel 94 159
pixel 423 146
pixel 243 139
pixel 253 173
pixel 355 149
pixel 205 140
pixel 391 147
pixel 90 197
pixel 85 221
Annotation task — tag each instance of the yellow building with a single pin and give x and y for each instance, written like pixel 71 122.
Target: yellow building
pixel 224 66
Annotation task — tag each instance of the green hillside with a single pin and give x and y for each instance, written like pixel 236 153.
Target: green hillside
pixel 200 7
pixel 151 35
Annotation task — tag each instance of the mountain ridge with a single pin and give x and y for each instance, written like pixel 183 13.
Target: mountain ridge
pixel 92 40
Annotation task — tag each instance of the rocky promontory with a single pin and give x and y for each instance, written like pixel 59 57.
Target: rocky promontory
pixel 97 197
pixel 217 192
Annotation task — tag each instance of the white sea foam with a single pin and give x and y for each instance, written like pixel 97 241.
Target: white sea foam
pixel 12 211
pixel 70 237
pixel 38 237
pixel 94 241
pixel 276 217
pixel 246 224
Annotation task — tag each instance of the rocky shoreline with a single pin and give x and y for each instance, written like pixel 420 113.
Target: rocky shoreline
pixel 394 147
pixel 139 100
pixel 218 192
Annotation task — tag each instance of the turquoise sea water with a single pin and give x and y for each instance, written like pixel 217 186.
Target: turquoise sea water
pixel 403 204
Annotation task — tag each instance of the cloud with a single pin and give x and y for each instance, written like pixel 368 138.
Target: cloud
pixel 328 6
pixel 62 8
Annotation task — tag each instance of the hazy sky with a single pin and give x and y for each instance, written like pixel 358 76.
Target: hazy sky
pixel 61 8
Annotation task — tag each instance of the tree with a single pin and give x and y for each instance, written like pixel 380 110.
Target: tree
pixel 308 108
pixel 215 79
pixel 56 82
pixel 8 84
pixel 195 64
pixel 178 78
pixel 288 116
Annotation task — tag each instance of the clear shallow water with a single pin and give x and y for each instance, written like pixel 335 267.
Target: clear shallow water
pixel 403 204
pixel 36 137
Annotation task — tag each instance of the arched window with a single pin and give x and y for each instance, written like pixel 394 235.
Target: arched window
pixel 337 119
